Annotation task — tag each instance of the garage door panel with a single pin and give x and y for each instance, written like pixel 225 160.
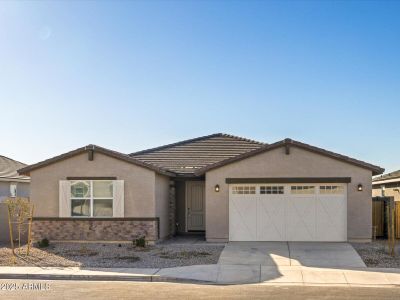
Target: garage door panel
pixel 330 210
pixel 300 218
pixel 331 219
pixel 290 216
pixel 243 212
pixel 270 219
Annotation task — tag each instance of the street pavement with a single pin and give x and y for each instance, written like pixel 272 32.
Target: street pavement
pixel 58 289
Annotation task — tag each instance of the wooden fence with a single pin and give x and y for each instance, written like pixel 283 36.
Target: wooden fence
pixel 378 218
pixel 379 221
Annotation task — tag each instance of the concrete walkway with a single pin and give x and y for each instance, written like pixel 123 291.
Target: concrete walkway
pixel 218 274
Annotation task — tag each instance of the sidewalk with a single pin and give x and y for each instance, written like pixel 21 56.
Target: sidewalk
pixel 217 274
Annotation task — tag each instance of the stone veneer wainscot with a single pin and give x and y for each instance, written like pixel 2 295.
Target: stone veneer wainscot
pixel 95 229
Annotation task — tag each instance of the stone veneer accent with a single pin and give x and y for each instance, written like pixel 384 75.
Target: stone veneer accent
pixel 172 209
pixel 117 229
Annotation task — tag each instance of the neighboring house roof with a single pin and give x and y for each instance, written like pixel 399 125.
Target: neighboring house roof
pixel 289 143
pixel 387 178
pixel 9 170
pixel 185 157
pixel 111 153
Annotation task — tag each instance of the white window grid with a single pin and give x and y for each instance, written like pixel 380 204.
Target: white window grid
pixel 325 189
pixel 92 198
pixel 244 190
pixel 302 189
pixel 273 189
pixel 331 189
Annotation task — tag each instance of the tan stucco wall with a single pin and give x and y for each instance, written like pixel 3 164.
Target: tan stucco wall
pixel 300 163
pixel 162 204
pixel 139 183
pixel 389 192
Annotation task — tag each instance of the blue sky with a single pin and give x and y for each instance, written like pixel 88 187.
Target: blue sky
pixel 133 75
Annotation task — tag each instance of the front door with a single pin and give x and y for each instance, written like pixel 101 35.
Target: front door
pixel 195 205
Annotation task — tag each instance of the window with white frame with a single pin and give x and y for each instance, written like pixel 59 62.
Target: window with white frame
pixel 92 198
pixel 302 189
pixel 243 189
pixel 273 189
pixel 13 190
pixel 331 189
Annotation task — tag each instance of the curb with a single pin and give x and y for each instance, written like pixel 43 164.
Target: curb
pixel 155 278
pixel 76 277
pixel 149 278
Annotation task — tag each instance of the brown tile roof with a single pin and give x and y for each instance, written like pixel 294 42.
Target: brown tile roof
pixel 391 175
pixel 111 153
pixel 195 157
pixel 185 157
pixel 288 143
pixel 8 170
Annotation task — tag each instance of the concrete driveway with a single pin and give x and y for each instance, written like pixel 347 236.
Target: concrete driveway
pixel 309 254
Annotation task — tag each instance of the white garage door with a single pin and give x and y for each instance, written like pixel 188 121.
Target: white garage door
pixel 288 212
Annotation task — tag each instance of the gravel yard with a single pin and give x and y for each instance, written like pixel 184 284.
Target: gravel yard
pixel 376 255
pixel 115 255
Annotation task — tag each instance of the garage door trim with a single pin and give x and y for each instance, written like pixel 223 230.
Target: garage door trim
pixel 289 180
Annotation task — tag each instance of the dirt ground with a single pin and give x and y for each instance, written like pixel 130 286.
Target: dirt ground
pixel 113 255
pixel 375 254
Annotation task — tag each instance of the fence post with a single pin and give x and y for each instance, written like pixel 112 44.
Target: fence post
pixel 391 221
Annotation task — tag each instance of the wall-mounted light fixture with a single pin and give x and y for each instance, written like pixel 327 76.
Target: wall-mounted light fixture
pixel 216 188
pixel 359 187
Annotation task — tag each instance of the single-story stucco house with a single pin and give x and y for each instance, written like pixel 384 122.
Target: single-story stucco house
pixel 11 185
pixel 387 185
pixel 231 188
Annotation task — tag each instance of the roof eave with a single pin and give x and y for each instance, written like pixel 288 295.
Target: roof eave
pixel 26 170
pixel 376 170
pixel 245 155
pixel 389 176
pixel 385 181
pixel 14 179
pixel 132 160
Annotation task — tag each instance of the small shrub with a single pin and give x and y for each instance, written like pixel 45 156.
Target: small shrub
pixel 43 243
pixel 140 242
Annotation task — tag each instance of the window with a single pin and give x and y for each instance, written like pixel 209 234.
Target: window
pixel 13 190
pixel 305 190
pixel 241 190
pixel 271 190
pixel 92 198
pixel 331 189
